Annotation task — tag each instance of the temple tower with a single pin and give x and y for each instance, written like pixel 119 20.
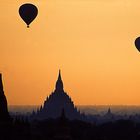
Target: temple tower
pixel 4 115
pixel 58 103
pixel 59 83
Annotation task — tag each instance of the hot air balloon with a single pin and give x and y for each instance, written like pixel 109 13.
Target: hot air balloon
pixel 28 13
pixel 137 43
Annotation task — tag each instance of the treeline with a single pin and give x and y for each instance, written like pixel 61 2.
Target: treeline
pixel 63 129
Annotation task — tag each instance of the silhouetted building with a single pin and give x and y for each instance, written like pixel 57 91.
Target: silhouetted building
pixel 109 112
pixel 109 116
pixel 4 115
pixel 56 102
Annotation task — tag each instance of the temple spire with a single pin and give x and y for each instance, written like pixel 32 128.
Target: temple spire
pixel 59 83
pixel 109 111
pixel 1 85
pixel 59 76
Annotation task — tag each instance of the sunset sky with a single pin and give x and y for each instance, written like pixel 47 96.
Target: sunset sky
pixel 91 41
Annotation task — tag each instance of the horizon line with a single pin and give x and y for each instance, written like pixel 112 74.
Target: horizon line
pixel 79 105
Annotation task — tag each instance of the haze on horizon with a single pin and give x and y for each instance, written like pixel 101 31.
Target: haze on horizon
pixel 91 41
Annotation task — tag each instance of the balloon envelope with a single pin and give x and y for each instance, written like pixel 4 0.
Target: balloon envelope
pixel 28 13
pixel 137 43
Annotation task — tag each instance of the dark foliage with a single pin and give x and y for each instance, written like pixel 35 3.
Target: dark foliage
pixel 63 129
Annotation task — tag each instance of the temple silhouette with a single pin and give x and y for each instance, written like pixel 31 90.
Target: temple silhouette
pixel 55 103
pixel 4 115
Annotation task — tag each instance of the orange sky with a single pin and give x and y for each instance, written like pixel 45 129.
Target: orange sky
pixel 91 41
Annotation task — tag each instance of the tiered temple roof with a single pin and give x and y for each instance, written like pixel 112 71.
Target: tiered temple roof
pixel 56 102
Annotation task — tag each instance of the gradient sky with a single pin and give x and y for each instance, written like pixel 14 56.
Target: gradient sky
pixel 91 41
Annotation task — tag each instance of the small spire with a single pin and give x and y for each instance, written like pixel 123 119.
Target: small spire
pixel 59 83
pixel 109 111
pixel 59 76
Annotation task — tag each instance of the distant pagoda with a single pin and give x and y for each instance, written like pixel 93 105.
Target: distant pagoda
pixel 4 115
pixel 56 102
